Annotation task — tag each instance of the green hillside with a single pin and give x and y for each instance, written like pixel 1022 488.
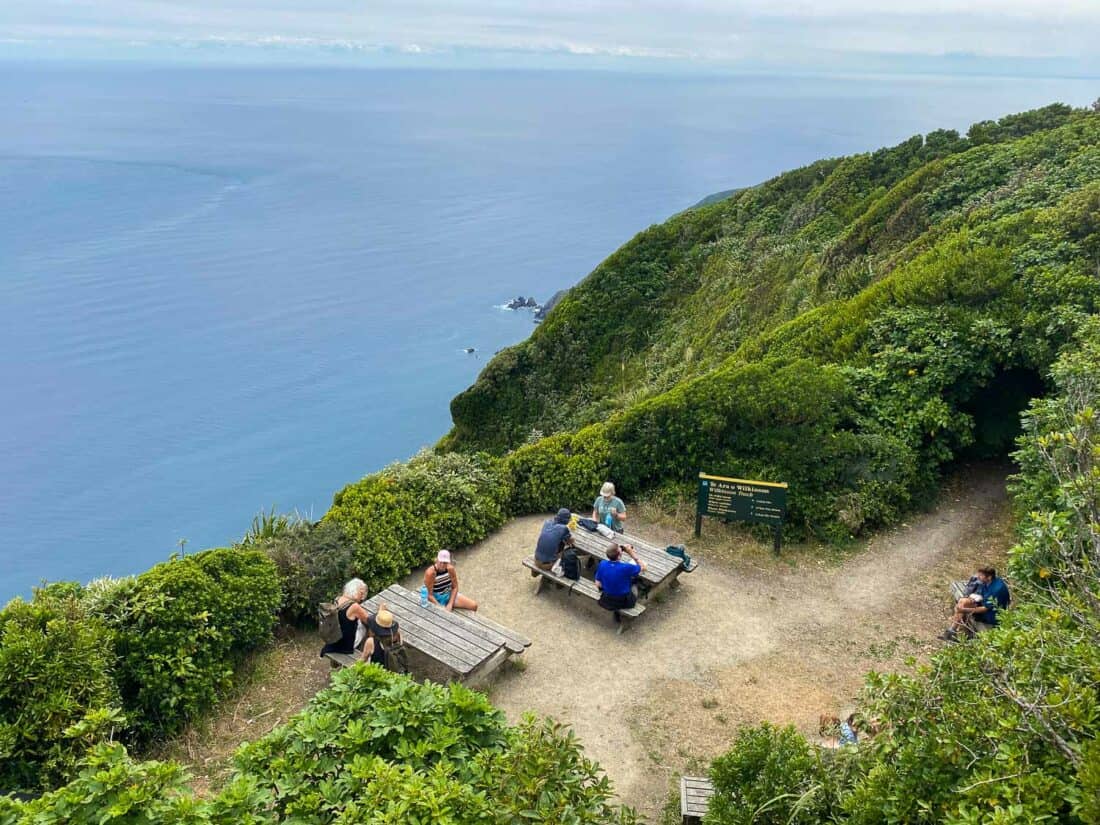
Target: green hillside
pixel 848 327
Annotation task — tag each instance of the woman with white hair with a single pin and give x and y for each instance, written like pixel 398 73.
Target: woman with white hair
pixel 352 616
pixel 608 508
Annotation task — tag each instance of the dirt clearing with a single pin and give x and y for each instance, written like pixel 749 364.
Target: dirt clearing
pixel 746 638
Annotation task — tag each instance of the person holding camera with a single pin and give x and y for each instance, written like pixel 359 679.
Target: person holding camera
pixel 615 578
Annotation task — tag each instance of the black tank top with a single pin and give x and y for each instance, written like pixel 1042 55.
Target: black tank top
pixel 348 627
pixel 442 581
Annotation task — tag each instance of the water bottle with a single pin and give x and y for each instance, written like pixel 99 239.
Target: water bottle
pixel 423 595
pixel 607 520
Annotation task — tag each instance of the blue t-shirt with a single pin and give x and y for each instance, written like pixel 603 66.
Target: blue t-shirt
pixel 551 538
pixel 603 509
pixel 994 597
pixel 616 576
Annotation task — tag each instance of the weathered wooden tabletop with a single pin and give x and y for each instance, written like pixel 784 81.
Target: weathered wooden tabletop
pixel 461 640
pixel 661 568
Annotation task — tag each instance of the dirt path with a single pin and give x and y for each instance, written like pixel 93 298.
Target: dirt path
pixel 773 640
pixel 746 638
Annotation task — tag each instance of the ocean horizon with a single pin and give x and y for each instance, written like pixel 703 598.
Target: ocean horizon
pixel 230 289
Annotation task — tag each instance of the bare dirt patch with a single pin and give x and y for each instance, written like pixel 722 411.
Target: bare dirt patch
pixel 747 638
pixel 273 685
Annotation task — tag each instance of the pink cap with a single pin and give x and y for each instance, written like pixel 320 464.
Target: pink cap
pixel 444 557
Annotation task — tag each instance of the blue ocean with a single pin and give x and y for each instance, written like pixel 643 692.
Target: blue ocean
pixel 230 289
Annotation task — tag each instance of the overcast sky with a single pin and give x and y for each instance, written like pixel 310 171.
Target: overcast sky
pixel 1058 35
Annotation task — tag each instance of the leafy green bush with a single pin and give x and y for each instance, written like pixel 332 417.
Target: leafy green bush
pixel 180 628
pixel 843 327
pixel 57 696
pixel 1003 728
pixel 377 747
pixel 560 471
pixel 400 517
pixel 314 561
pixel 772 775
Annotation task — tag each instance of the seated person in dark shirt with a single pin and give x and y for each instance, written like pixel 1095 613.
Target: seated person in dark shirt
pixel 984 595
pixel 352 615
pixel 615 578
pixel 553 539
pixel 383 634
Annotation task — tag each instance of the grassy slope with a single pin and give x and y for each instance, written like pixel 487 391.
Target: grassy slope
pixel 799 266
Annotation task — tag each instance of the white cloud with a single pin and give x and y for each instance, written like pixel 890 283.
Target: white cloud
pixel 703 30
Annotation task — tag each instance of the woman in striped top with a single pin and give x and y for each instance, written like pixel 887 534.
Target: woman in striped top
pixel 442 581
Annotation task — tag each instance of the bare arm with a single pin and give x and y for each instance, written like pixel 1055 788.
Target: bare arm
pixel 454 588
pixel 429 580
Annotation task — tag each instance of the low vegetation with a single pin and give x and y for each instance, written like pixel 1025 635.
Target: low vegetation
pixel 850 328
pixel 1004 728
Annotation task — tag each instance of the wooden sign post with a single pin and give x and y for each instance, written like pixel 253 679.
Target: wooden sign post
pixel 739 499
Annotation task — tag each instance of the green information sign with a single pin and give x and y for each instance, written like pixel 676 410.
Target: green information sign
pixel 739 499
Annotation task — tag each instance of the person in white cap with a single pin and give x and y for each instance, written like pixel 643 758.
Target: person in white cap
pixel 442 582
pixel 608 508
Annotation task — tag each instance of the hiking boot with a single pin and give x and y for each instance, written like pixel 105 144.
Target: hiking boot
pixel 949 635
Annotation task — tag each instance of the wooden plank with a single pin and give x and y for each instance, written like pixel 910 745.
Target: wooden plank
pixel 515 642
pixel 433 640
pixel 659 564
pixel 581 587
pixel 342 659
pixel 695 795
pixel 661 568
pixel 453 623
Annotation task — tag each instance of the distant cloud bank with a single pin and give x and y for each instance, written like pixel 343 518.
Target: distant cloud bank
pixel 1058 36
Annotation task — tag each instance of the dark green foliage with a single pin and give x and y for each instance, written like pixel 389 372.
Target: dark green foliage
pixel 400 517
pixel 374 748
pixel 182 626
pixel 314 561
pixel 57 696
pixel 772 776
pixel 560 471
pixel 1003 728
pixel 859 313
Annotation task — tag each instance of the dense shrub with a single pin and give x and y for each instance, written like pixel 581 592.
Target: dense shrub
pixel 399 518
pixel 314 561
pixel 839 328
pixel 560 471
pixel 57 695
pixel 180 628
pixel 375 749
pixel 1005 727
pixel 772 775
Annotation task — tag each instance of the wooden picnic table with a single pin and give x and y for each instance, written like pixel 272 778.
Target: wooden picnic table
pixel 662 570
pixel 466 644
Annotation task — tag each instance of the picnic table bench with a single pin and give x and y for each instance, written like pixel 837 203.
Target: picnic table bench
pixel 662 570
pixel 461 645
pixel 695 794
pixel 582 588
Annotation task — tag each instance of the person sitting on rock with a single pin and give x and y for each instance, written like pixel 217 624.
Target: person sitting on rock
pixel 615 578
pixel 983 596
pixel 353 618
pixel 441 579
pixel 553 539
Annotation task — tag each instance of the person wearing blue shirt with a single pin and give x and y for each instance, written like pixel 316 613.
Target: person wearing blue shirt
pixel 553 539
pixel 615 578
pixel 985 594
